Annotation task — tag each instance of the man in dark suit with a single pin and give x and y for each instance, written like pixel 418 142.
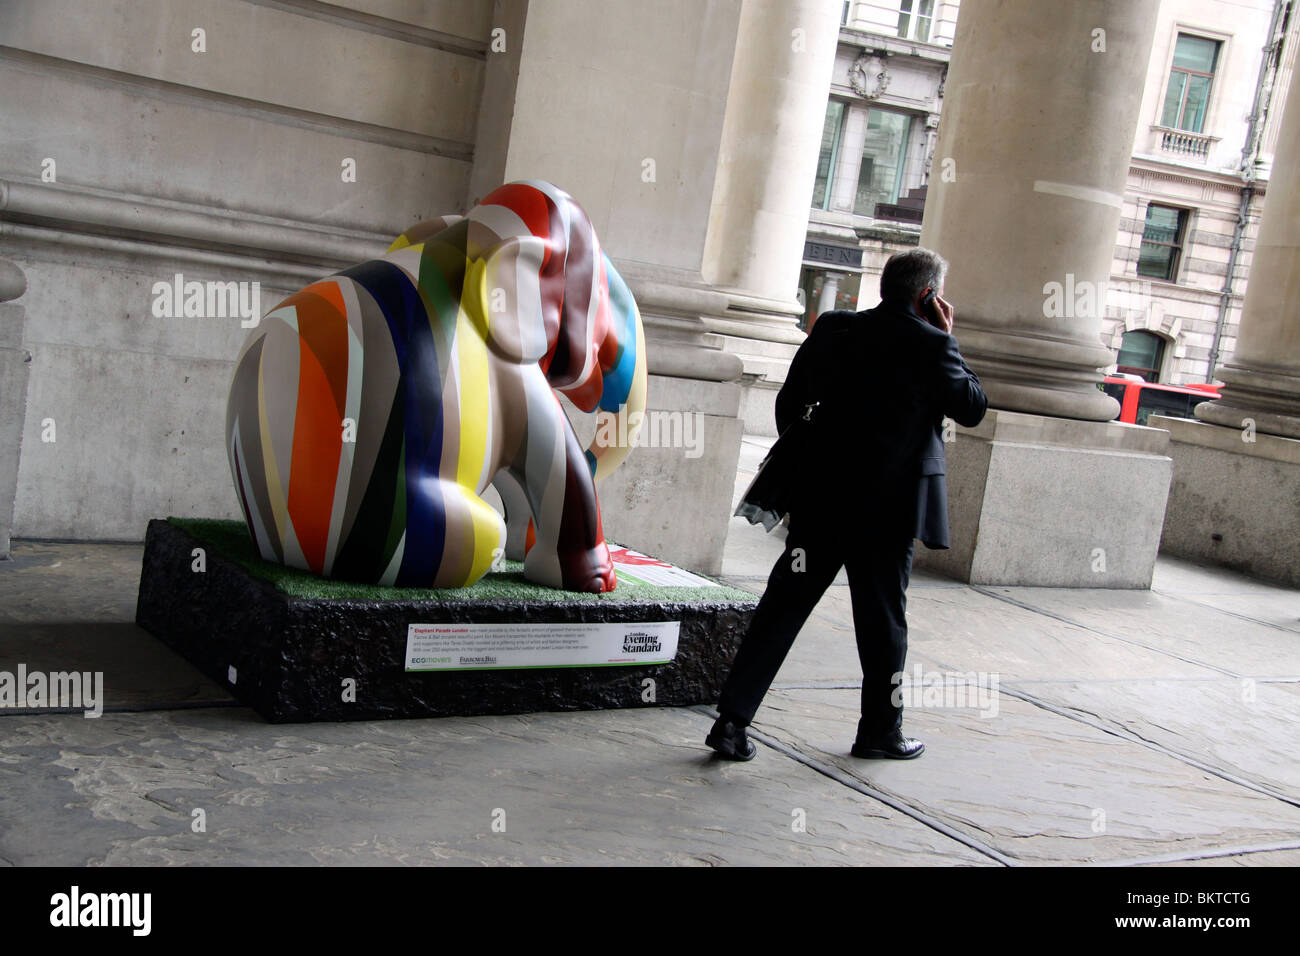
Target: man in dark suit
pixel 874 388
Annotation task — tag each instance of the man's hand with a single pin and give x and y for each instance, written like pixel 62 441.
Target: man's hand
pixel 943 315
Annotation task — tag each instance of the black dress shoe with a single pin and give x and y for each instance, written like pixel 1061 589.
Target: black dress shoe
pixel 730 741
pixel 892 745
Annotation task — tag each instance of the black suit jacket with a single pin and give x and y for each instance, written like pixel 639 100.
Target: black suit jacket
pixel 884 380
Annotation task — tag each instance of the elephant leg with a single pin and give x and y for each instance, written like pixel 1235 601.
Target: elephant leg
pixel 518 513
pixel 475 536
pixel 569 550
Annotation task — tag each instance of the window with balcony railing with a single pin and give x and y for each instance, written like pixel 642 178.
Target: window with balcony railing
pixel 1191 78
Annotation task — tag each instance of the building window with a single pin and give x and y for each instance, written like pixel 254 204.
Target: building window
pixel 915 18
pixel 884 152
pixel 844 14
pixel 821 290
pixel 1190 78
pixel 1162 242
pixel 1141 354
pixel 829 154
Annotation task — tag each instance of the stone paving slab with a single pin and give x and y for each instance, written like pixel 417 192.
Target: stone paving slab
pixel 614 787
pixel 1229 591
pixel 1029 783
pixel 1210 721
pixel 71 607
pixel 971 631
pixel 49 582
pixel 1180 628
pixel 638 786
pixel 140 673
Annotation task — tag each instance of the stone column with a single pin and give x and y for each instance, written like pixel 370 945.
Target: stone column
pixel 767 163
pixel 830 288
pixel 1040 109
pixel 631 126
pixel 1263 378
pixel 776 107
pixel 14 364
pixel 848 161
pixel 1235 499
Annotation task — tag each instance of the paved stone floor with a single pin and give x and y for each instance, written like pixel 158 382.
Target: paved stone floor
pixel 1125 727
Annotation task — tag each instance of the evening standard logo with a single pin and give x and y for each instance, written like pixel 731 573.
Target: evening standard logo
pixel 639 642
pixel 477 661
pixel 76 909
pixel 66 690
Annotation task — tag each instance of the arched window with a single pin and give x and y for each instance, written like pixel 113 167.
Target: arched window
pixel 1141 353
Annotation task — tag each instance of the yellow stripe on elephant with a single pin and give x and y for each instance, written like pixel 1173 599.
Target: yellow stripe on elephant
pixel 488 530
pixel 475 401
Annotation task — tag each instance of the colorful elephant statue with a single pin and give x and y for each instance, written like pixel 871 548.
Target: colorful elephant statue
pixel 369 412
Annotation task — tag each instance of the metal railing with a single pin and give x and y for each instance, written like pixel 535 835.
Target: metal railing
pixel 1183 142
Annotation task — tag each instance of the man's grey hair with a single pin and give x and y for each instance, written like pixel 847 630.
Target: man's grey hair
pixel 908 274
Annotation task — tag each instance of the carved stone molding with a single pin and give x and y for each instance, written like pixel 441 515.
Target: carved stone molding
pixel 869 76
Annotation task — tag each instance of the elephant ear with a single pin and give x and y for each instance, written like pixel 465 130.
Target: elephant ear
pixel 518 305
pixel 422 231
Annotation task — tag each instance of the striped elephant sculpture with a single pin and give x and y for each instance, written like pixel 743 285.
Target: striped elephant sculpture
pixel 369 412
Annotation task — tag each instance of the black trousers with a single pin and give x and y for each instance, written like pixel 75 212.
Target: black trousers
pixel 878 570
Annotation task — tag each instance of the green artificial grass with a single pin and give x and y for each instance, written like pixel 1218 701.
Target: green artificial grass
pixel 231 539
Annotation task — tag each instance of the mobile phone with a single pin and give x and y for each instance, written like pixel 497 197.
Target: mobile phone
pixel 928 308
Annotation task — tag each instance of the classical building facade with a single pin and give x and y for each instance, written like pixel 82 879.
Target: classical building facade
pixel 746 163
pixel 877 147
pixel 266 143
pixel 1202 157
pixel 1202 153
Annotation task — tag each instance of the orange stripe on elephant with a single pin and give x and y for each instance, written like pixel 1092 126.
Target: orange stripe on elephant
pixel 318 428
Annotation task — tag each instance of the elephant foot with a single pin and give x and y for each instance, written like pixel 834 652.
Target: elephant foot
pixel 591 570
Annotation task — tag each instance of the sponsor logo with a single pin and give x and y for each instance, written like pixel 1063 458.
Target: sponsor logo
pixel 639 642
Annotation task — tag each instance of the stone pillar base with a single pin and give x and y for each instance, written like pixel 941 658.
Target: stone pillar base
pixel 1053 502
pixel 14 370
pixel 758 405
pixel 766 364
pixel 1233 503
pixel 672 496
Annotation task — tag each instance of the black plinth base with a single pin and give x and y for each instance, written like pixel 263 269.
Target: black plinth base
pixel 290 657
